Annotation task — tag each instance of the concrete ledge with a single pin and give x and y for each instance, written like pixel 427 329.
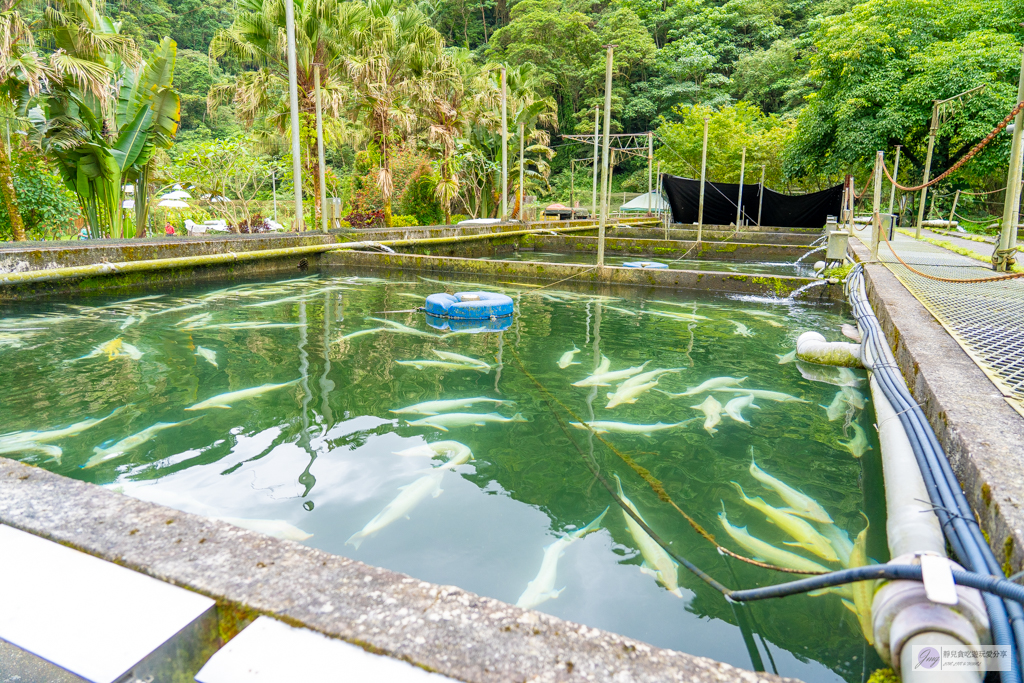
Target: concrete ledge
pixel 719 251
pixel 741 283
pixel 982 435
pixel 758 237
pixel 438 628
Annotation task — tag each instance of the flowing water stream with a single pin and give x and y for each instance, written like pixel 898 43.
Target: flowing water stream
pixel 316 452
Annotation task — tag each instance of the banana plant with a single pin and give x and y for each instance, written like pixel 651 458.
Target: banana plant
pixel 98 152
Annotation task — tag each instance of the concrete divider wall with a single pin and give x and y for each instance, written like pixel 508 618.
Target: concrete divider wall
pixel 759 237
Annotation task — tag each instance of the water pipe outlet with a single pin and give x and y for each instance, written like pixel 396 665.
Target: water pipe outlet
pixel 813 348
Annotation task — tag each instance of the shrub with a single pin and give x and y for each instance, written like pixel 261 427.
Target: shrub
pixel 47 207
pixel 255 224
pixel 459 217
pixel 404 221
pixel 419 200
pixel 365 219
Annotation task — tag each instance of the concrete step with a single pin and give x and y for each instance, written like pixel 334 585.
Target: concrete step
pixel 270 651
pixel 68 617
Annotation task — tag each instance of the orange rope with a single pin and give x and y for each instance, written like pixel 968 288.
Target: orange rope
pixel 994 278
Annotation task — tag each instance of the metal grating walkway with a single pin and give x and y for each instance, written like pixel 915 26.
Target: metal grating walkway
pixel 986 318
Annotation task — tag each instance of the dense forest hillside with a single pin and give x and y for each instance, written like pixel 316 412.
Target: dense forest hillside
pixel 811 88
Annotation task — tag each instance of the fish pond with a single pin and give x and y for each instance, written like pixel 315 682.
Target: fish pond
pixel 326 410
pixel 722 266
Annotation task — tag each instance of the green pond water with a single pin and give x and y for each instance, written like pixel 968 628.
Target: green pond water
pixel 323 455
pixel 766 267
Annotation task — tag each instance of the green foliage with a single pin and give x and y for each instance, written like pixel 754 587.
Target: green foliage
pixel 420 200
pixel 398 221
pixel 47 207
pixel 884 676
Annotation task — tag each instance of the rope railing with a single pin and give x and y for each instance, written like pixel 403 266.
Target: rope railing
pixel 965 158
pixel 994 278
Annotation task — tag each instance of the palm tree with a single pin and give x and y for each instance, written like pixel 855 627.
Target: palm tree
pixel 389 54
pixel 20 74
pixel 257 37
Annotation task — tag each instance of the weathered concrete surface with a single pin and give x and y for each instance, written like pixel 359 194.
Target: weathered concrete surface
pixel 759 237
pixel 392 264
pixel 439 628
pixel 719 251
pixel 982 435
pixel 748 228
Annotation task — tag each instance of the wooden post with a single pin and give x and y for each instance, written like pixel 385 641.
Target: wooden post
pixel 320 148
pixel 896 176
pixel 703 171
pixel 952 212
pixel 597 132
pixel 522 171
pixel 606 157
pixel 932 132
pixel 739 199
pixel 1011 201
pixel 877 206
pixel 760 197
pixel 504 147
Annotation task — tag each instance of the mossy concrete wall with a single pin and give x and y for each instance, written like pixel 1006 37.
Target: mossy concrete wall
pixel 392 265
pixel 759 237
pixel 619 246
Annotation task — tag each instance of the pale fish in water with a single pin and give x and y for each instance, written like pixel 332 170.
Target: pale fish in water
pixel 603 367
pixel 734 408
pixel 411 295
pixel 863 591
pixel 278 528
pixel 209 355
pixel 249 326
pixel 606 378
pixel 712 410
pixel 452 420
pixel 55 452
pixel 657 562
pixel 786 357
pixel 854 397
pixel 827 374
pixel 849 378
pixel 444 365
pixel 459 358
pixel 115 348
pixel 605 426
pixel 762 393
pixel 55 434
pixel 840 541
pixel 360 333
pixel 410 496
pixel 741 329
pixel 807 537
pixel 566 359
pixel 760 314
pixel 766 551
pixel 176 309
pixel 645 377
pixel 623 311
pixel 405 329
pixel 127 322
pixel 858 445
pixel 799 503
pixel 194 320
pixel 443 406
pixel 710 385
pixel 134 441
pixel 628 394
pixel 225 400
pixel 542 588
pixel 684 317
pixel 457 453
pixel 837 408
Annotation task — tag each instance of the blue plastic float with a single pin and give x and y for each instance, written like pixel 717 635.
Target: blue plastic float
pixel 477 306
pixel 472 326
pixel 645 264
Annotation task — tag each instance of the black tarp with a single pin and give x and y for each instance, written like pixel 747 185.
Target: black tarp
pixel 777 209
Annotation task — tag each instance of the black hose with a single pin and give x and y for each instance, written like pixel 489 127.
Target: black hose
pixel 950 504
pixel 892 572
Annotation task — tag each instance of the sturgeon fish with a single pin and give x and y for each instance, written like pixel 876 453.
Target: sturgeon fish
pixel 225 400
pixel 807 537
pixel 734 408
pixel 209 355
pixel 628 394
pixel 451 420
pixel 604 426
pixel 657 562
pixel 542 588
pixel 134 441
pixel 606 378
pixel 712 384
pixel 567 358
pixel 278 528
pixel 768 395
pixel 837 408
pixel 712 410
pixel 799 503
pixel 443 406
pixel 766 551
pixel 858 445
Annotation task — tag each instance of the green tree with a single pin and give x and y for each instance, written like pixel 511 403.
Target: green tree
pixel 45 204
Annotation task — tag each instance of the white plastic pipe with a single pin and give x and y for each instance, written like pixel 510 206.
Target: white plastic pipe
pixel 812 347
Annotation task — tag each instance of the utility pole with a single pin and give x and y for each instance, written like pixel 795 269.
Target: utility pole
pixel 876 216
pixel 504 147
pixel 597 133
pixel 760 197
pixel 606 158
pixel 703 170
pixel 1003 256
pixel 320 148
pixel 273 184
pixel 650 169
pixel 522 173
pixel 895 176
pixel 293 103
pixel 739 200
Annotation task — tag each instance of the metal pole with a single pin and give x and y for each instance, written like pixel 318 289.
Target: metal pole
pixel 661 211
pixel 650 169
pixel 320 149
pixel 703 170
pixel 1011 202
pixel 927 168
pixel 293 103
pixel 522 172
pixel 952 211
pixel 896 176
pixel 877 206
pixel 273 183
pixel 760 197
pixel 504 147
pixel 597 132
pixel 572 188
pixel 606 157
pixel 739 200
